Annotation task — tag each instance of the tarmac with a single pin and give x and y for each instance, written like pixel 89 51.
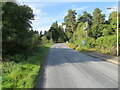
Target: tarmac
pixel 109 58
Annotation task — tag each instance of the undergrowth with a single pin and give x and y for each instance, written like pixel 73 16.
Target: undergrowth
pixel 87 49
pixel 23 74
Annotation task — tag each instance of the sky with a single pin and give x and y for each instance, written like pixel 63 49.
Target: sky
pixel 48 12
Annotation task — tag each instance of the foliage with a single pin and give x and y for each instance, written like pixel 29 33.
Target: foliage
pixel 0 75
pixel 87 49
pixel 106 41
pixel 62 35
pixel 84 18
pixel 97 24
pixel 56 33
pixel 24 74
pixel 71 45
pixel 90 42
pixel 102 31
pixel 17 34
pixel 113 20
pixel 70 23
pixel 79 34
pixel 108 30
pixel 23 51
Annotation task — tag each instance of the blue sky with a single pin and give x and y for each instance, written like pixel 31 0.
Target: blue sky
pixel 48 12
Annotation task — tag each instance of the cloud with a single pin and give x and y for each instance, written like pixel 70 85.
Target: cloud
pixel 41 19
pixel 82 8
pixel 36 11
pixel 59 23
pixel 113 8
pixel 74 8
pixel 43 29
pixel 43 23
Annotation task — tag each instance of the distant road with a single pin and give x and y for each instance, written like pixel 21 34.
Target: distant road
pixel 66 68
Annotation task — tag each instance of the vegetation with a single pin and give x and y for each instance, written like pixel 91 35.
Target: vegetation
pixel 87 32
pixel 24 74
pixel 0 76
pixel 70 22
pixel 94 33
pixel 23 50
pixel 55 33
pixel 18 36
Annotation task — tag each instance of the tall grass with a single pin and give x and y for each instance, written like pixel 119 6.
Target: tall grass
pixel 0 76
pixel 87 49
pixel 23 74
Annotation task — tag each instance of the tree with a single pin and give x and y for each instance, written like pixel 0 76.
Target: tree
pixel 98 20
pixel 62 35
pixel 113 20
pixel 17 33
pixel 85 17
pixel 70 22
pixel 41 34
pixel 56 33
pixel 108 30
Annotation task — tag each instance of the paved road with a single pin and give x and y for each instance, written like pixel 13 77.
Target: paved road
pixel 66 68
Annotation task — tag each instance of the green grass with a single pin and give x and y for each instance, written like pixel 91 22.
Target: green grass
pixel 25 73
pixel 87 49
pixel 71 45
pixel 0 76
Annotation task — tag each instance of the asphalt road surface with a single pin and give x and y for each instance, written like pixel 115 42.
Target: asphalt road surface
pixel 66 68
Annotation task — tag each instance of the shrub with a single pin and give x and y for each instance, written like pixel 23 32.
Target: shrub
pixel 90 42
pixel 106 41
pixel 71 45
pixel 23 74
pixel 82 49
pixel 79 34
pixel 107 44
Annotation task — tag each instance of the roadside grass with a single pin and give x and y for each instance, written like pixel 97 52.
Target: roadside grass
pixel 23 74
pixel 86 49
pixel 71 45
pixel 0 82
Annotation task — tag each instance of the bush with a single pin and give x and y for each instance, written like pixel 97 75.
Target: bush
pixel 107 44
pixel 79 34
pixel 71 45
pixel 23 74
pixel 90 42
pixel 80 49
pixel 106 41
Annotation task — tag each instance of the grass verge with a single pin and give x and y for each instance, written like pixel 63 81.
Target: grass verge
pixel 86 49
pixel 0 76
pixel 25 73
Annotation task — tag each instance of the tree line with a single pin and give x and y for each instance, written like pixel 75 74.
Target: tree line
pixel 18 36
pixel 93 28
pixel 97 24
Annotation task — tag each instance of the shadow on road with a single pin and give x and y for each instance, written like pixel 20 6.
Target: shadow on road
pixel 58 56
pixel 64 56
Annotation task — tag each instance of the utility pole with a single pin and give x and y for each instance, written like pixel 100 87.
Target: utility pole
pixel 86 28
pixel 118 28
pixel 118 9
